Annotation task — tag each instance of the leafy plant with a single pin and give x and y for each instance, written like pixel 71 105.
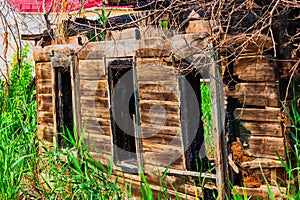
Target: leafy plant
pixel 206 108
pixel 96 35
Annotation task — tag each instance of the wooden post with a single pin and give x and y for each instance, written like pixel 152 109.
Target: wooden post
pixel 75 94
pixel 218 121
pixel 137 122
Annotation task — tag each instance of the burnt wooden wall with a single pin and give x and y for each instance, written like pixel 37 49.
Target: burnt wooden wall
pixel 252 91
pixel 257 117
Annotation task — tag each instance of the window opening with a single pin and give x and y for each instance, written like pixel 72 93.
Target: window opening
pixel 120 74
pixel 191 121
pixel 64 110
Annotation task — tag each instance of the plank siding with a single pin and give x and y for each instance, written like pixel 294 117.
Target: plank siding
pixel 95 114
pixel 160 118
pixel 256 94
pixel 255 69
pixel 45 106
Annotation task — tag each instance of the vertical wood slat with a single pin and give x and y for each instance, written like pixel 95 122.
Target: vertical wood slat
pixel 218 120
pixel 137 124
pixel 53 75
pixel 75 84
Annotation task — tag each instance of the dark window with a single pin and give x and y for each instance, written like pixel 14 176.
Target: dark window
pixel 191 122
pixel 122 102
pixel 64 111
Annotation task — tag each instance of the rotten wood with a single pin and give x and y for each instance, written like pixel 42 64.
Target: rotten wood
pixel 266 147
pixel 255 68
pixel 256 94
pixel 258 115
pixel 273 129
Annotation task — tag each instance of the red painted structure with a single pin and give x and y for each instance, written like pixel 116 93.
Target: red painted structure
pixel 36 6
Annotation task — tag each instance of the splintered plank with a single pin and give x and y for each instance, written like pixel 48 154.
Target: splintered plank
pixel 155 69
pixel 273 129
pixel 44 102
pixel 266 147
pixel 44 86
pixel 91 69
pixel 256 94
pixel 259 115
pixel 258 163
pixel 255 68
pixel 93 88
pixel 43 70
pixel 159 91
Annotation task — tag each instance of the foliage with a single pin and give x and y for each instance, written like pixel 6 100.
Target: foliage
pixel 99 35
pixel 206 108
pixel 17 127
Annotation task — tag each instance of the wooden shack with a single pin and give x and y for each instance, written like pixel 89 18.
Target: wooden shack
pixel 137 101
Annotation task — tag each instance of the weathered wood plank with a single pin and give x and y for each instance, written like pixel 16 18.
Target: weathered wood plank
pixel 162 159
pixel 96 125
pixel 43 70
pixel 45 117
pixel 266 147
pixel 93 88
pixel 261 163
pixel 94 106
pixel 259 115
pixel 44 86
pixel 273 129
pixel 168 107
pixel 155 129
pixel 159 91
pixel 166 139
pixel 251 43
pixel 45 131
pixel 153 47
pixel 112 48
pixel 149 69
pixel 256 94
pixel 98 143
pixel 91 69
pixel 42 54
pixel 255 68
pixel 147 147
pixel 124 34
pixel 158 116
pixel 44 102
pixel 191 46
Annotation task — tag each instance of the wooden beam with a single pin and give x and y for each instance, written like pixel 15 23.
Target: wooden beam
pixel 218 123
